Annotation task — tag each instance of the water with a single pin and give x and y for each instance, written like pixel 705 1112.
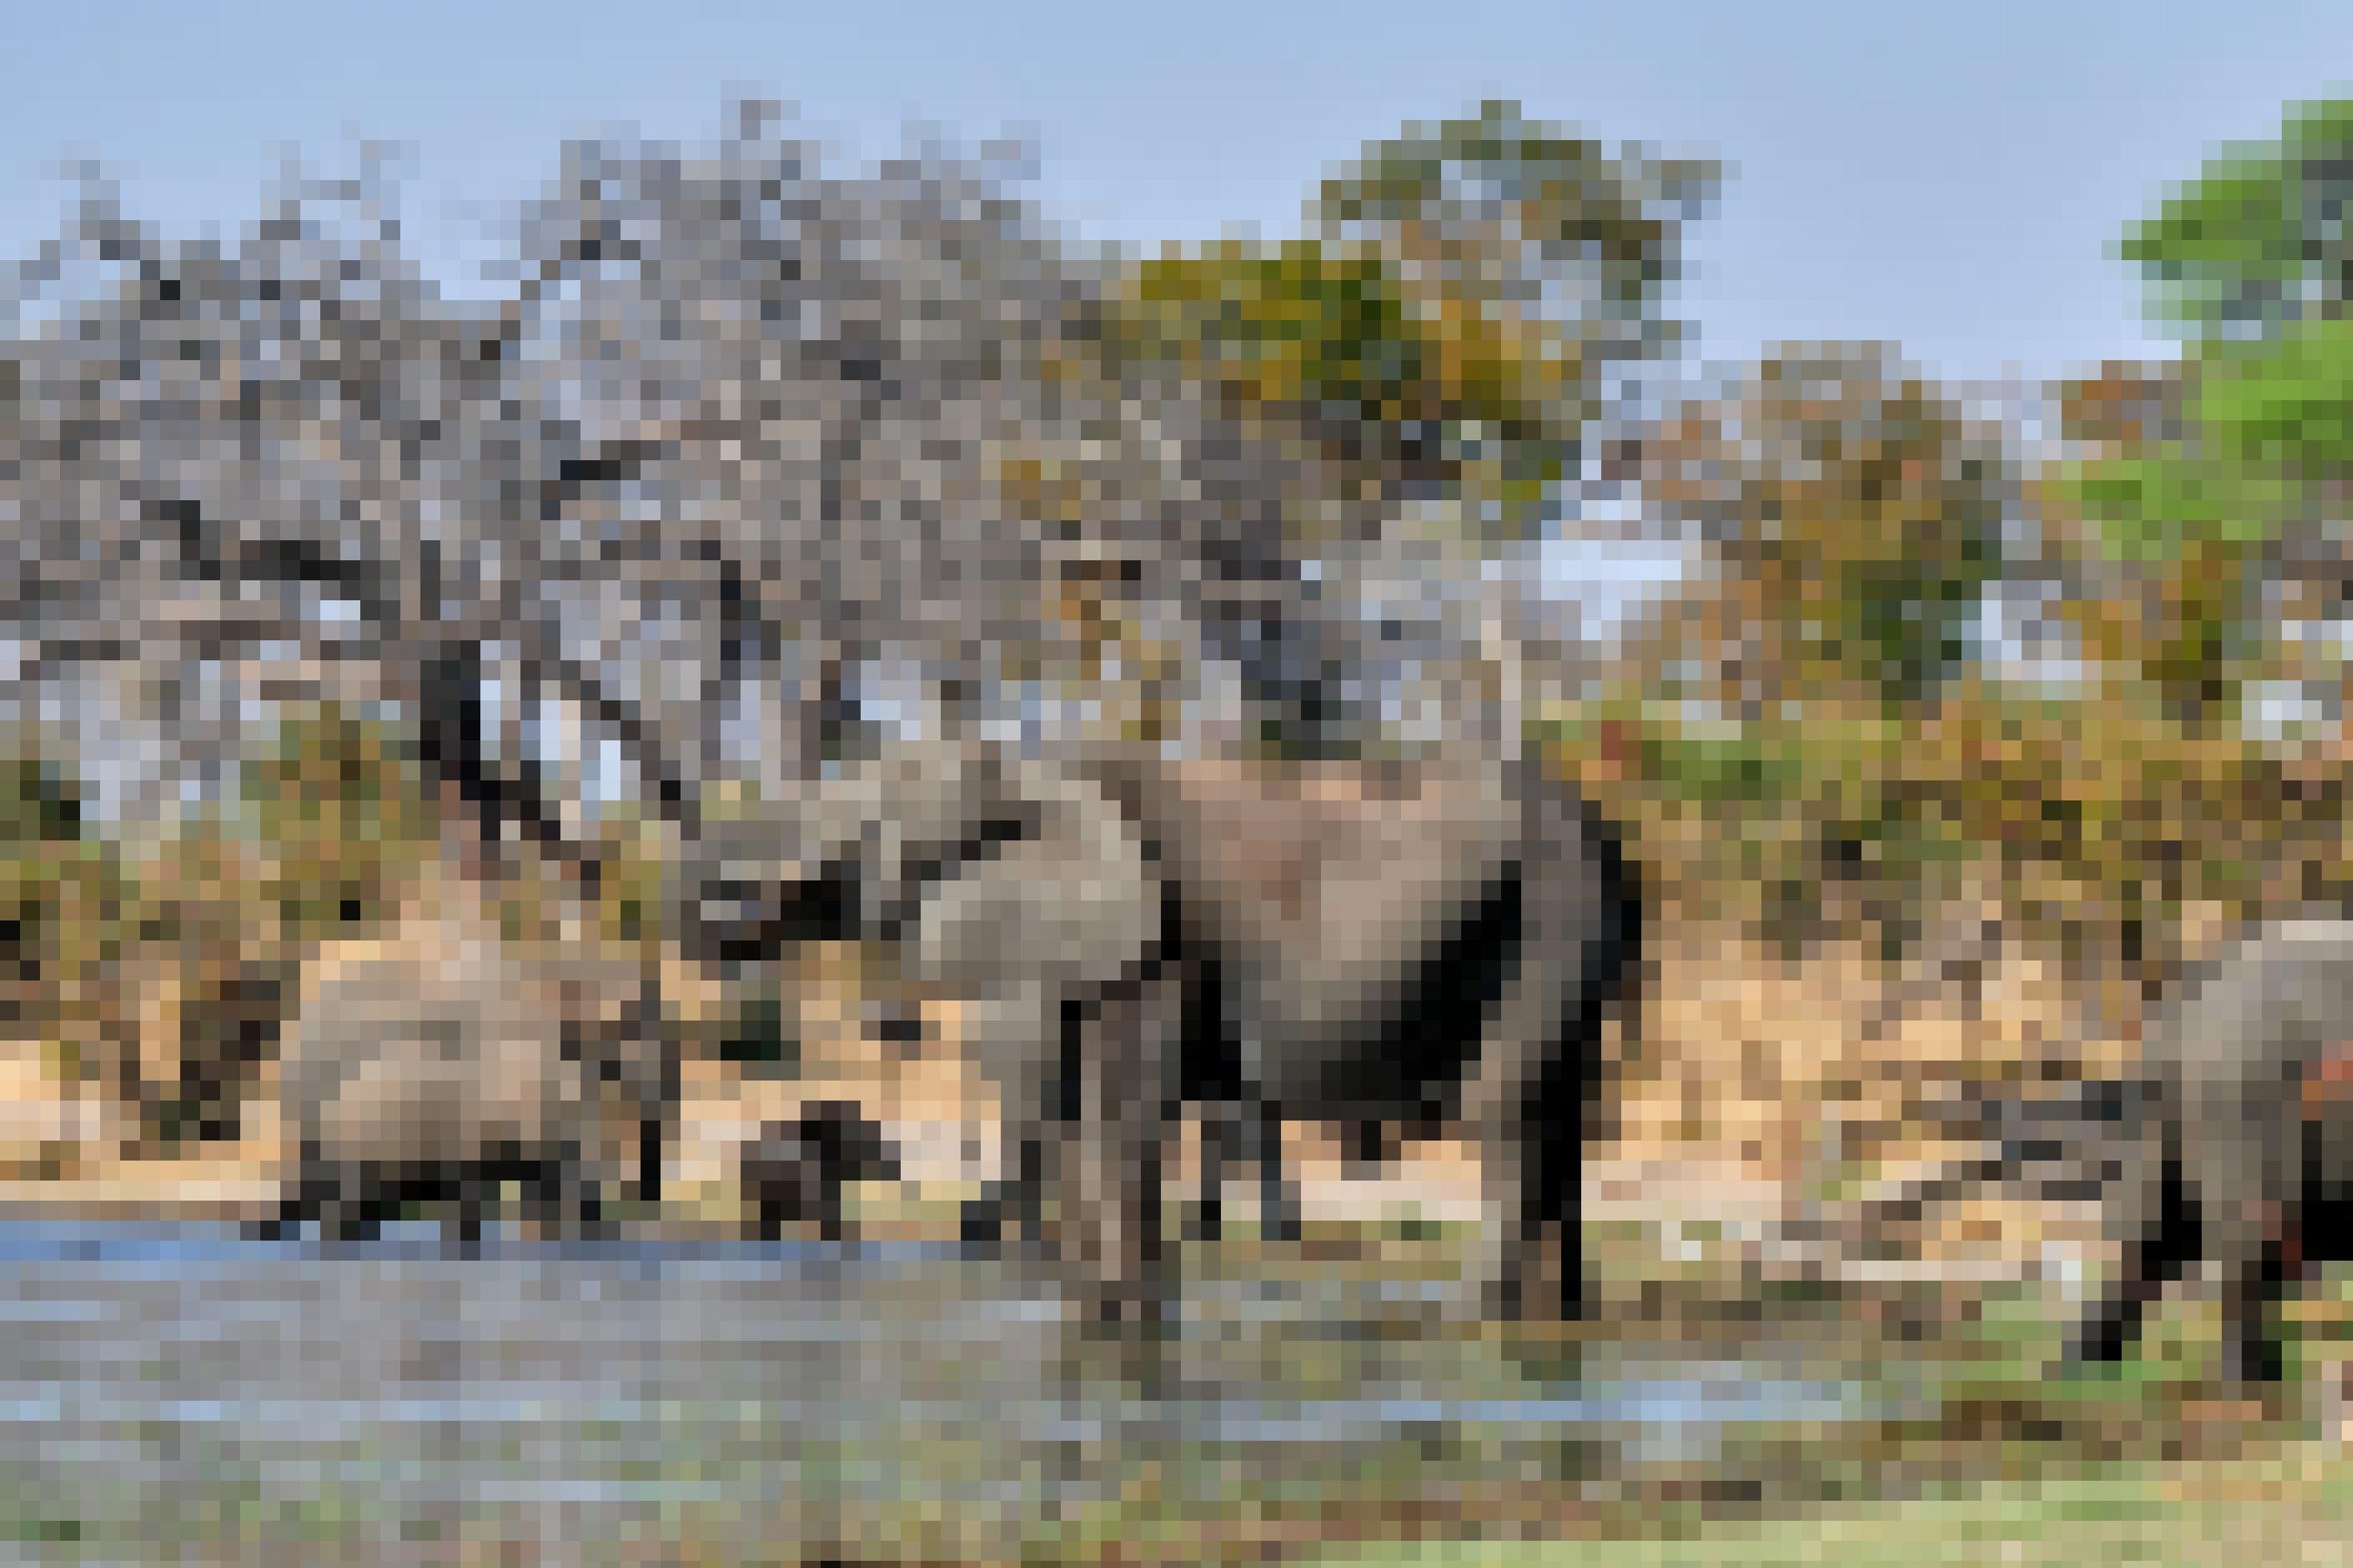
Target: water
pixel 163 1386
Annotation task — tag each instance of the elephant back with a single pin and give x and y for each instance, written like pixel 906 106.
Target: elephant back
pixel 2260 1017
pixel 442 1042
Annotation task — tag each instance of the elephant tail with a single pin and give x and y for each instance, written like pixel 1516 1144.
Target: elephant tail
pixel 1615 953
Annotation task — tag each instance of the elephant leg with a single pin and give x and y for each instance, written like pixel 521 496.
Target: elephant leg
pixel 1246 1133
pixel 1526 1106
pixel 650 1138
pixel 1220 1147
pixel 1552 1214
pixel 1367 1148
pixel 2158 1249
pixel 1106 1189
pixel 352 1216
pixel 2249 1161
pixel 307 1201
pixel 1277 1199
pixel 1534 1258
pixel 470 1195
pixel 590 1201
pixel 825 1198
pixel 984 1219
pixel 2252 1289
pixel 553 1195
pixel 1009 1206
pixel 1016 1041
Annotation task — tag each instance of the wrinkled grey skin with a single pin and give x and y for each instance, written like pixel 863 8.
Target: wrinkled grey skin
pixel 436 1069
pixel 1019 889
pixel 1394 945
pixel 2246 1155
pixel 1407 943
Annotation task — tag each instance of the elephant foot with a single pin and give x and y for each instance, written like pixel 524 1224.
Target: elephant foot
pixel 981 1225
pixel 1541 1281
pixel 2103 1344
pixel 1368 1150
pixel 277 1227
pixel 1279 1220
pixel 350 1232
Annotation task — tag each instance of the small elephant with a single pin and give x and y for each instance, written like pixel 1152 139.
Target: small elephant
pixel 2243 1156
pixel 794 1170
pixel 437 1067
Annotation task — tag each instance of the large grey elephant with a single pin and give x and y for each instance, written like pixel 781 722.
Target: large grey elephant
pixel 1381 943
pixel 1421 943
pixel 441 1065
pixel 2244 1153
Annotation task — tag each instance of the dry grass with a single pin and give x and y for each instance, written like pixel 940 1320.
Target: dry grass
pixel 1751 1079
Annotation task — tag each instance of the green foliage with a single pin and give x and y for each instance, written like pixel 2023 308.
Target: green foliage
pixel 1332 341
pixel 39 803
pixel 2266 423
pixel 1614 213
pixel 68 910
pixel 63 897
pixel 2254 256
pixel 1856 520
pixel 2286 404
pixel 1297 327
pixel 2197 522
pixel 1446 321
pixel 2100 823
pixel 2259 240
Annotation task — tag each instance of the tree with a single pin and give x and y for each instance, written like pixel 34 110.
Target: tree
pixel 2260 240
pixel 1533 263
pixel 1419 372
pixel 2223 524
pixel 1853 518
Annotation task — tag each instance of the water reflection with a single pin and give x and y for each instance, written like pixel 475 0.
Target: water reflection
pixel 554 1390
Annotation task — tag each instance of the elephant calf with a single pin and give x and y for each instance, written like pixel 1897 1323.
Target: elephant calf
pixel 795 1170
pixel 2245 1154
pixel 437 1068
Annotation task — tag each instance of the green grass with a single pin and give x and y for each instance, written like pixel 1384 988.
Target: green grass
pixel 2294 1505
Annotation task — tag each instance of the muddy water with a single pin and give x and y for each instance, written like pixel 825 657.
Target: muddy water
pixel 170 1393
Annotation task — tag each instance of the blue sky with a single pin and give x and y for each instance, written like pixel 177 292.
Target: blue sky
pixel 1947 176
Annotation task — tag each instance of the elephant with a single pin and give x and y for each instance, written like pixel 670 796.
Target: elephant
pixel 795 1169
pixel 438 1066
pixel 1418 943
pixel 1023 890
pixel 1371 944
pixel 2243 1151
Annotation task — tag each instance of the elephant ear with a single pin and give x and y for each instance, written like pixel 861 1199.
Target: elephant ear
pixel 2328 1082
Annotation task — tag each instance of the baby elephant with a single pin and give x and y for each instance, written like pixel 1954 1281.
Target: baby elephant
pixel 795 1170
pixel 439 1067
